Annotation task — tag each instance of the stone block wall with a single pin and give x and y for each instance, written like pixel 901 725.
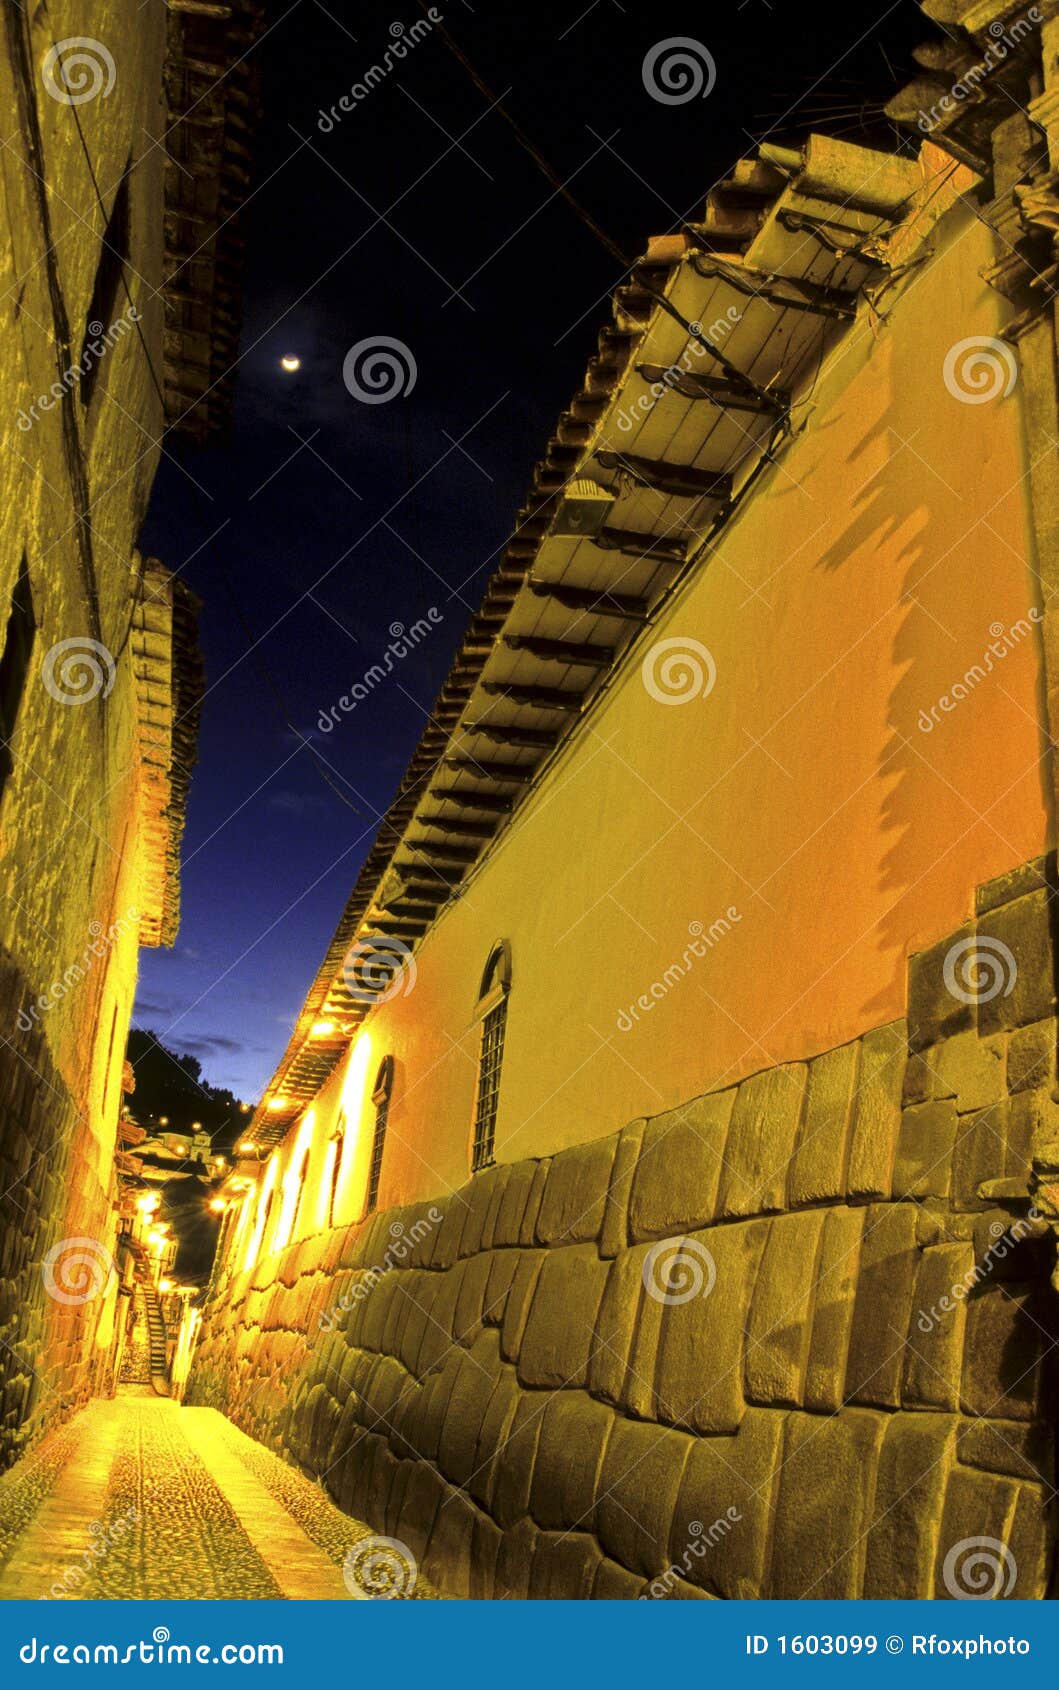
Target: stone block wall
pixel 49 1190
pixel 793 1339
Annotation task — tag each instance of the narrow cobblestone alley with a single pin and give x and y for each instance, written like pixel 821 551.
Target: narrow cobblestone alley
pixel 137 1497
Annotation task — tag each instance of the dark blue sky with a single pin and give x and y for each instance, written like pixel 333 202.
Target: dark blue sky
pixel 328 520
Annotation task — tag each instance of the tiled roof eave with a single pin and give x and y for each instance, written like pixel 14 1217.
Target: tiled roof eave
pixel 515 693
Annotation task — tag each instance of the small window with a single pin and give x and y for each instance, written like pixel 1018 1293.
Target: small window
pixel 381 1098
pixel 338 1145
pixel 103 306
pixel 14 666
pixel 492 1011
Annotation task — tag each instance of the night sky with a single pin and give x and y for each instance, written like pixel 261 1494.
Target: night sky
pixel 328 520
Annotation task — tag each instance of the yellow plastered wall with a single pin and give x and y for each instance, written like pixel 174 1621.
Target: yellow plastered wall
pixel 801 813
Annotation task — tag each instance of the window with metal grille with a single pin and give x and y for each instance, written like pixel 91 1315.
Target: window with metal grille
pixel 492 1008
pixel 381 1098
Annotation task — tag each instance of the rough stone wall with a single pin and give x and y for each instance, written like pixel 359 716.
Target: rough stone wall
pixel 792 1339
pixel 75 472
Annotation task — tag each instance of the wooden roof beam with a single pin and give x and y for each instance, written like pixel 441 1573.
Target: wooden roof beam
pixel 562 651
pixel 678 480
pixel 596 601
pixel 537 698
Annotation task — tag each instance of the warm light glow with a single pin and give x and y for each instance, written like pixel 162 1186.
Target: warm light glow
pixel 148 1203
pixel 163 1120
pixel 244 1108
pixel 248 1147
pixel 217 1204
pixel 322 1028
pixel 290 362
pixel 277 1103
pixel 165 1286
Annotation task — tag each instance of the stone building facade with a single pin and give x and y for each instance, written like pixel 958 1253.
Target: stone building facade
pixel 100 679
pixel 658 1194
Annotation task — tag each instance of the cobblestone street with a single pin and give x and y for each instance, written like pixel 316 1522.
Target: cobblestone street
pixel 138 1497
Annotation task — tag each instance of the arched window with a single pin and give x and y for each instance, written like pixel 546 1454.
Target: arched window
pixel 492 1012
pixel 381 1098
